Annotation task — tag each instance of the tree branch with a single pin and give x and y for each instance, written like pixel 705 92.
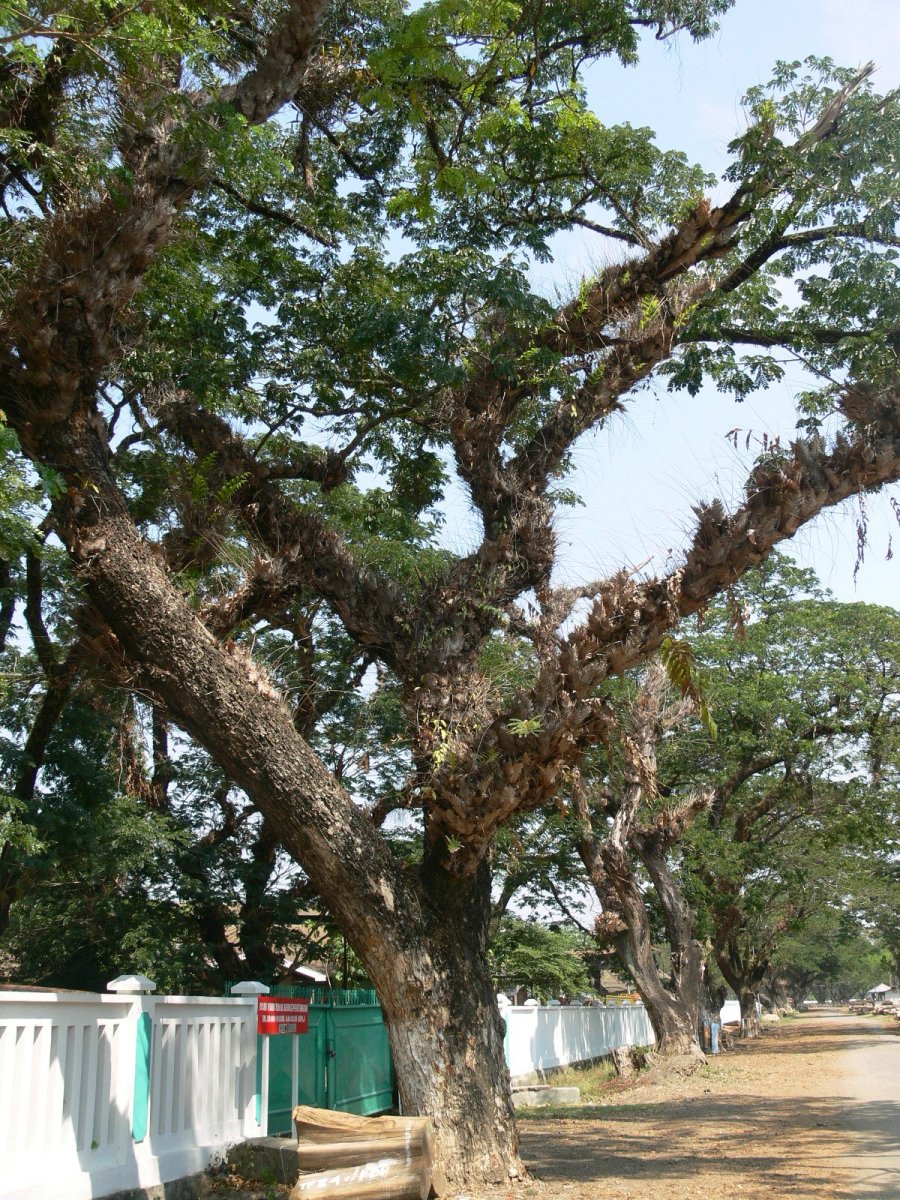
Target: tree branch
pixel 34 615
pixel 278 74
pixel 784 335
pixel 305 550
pixel 629 620
pixel 260 209
pixel 590 323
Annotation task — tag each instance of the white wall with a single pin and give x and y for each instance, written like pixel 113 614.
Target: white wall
pixel 539 1039
pixel 70 1072
pixel 730 1012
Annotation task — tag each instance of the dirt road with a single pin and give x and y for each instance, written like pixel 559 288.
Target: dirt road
pixel 810 1112
pixel 871 1117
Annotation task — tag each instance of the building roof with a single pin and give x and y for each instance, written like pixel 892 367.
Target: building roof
pixel 611 984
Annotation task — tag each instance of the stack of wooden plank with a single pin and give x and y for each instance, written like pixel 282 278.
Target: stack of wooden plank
pixel 344 1157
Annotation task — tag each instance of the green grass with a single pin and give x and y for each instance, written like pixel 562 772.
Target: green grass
pixel 590 1079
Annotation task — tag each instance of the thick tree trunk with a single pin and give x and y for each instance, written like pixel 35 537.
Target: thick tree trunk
pixel 674 1020
pixel 750 1027
pixel 446 1032
pixel 674 1009
pixel 673 1005
pixel 686 982
pixel 744 978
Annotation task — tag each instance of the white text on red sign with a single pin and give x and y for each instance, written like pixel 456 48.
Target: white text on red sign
pixel 277 1015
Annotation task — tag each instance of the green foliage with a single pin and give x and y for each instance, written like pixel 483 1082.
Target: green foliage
pixel 807 733
pixel 678 659
pixel 548 961
pixel 849 285
pixel 96 909
pixel 17 498
pixel 523 728
pixel 832 954
pixel 339 272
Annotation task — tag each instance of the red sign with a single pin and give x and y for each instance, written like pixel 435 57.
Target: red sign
pixel 276 1014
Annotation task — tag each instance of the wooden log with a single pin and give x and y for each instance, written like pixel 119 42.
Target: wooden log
pixel 439 1185
pixel 318 1156
pixel 325 1125
pixel 367 1158
pixel 383 1179
pixel 395 1155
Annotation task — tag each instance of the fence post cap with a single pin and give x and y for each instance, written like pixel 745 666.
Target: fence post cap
pixel 503 1001
pixel 250 987
pixel 133 985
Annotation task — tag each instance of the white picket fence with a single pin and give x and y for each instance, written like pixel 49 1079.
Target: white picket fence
pixel 100 1093
pixel 541 1039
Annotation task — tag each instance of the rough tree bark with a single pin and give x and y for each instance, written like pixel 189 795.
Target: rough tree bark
pixel 687 969
pixel 748 999
pixel 446 1032
pixel 672 1004
pixel 744 972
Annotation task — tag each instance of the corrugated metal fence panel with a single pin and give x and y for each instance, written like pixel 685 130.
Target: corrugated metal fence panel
pixel 312 1047
pixel 361 1071
pixel 344 1060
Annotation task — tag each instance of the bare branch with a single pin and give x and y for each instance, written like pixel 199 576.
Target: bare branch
pixel 784 335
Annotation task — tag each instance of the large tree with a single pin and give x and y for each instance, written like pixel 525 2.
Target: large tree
pixel 251 253
pixel 626 820
pixel 832 957
pixel 122 846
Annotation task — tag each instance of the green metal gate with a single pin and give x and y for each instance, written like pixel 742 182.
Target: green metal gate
pixel 345 1059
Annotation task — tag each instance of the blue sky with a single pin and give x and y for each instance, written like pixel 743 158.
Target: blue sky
pixel 640 477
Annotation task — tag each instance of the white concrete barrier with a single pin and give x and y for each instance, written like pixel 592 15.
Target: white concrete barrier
pixel 542 1038
pixel 100 1093
pixel 730 1012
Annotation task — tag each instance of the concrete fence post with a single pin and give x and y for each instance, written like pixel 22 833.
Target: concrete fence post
pixel 252 987
pixel 141 988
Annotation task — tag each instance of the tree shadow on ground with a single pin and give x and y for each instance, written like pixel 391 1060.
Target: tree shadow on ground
pixel 783 1143
pixel 810 1044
